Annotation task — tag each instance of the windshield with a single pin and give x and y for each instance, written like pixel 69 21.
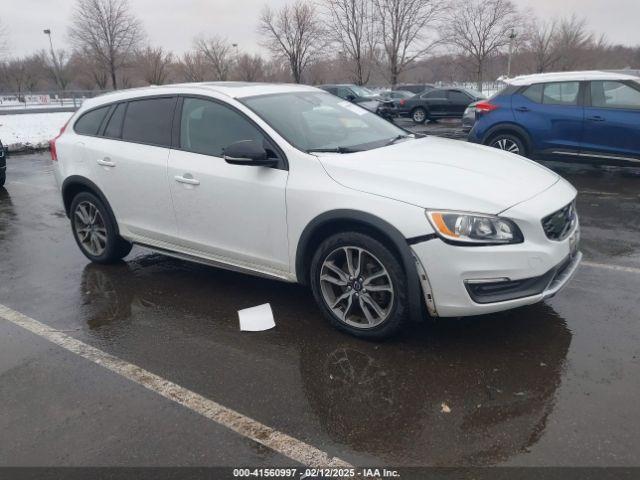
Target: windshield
pixel 313 121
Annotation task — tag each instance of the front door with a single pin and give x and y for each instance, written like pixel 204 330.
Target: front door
pixel 612 122
pixel 232 213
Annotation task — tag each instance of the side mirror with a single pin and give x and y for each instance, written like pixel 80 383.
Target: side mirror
pixel 248 152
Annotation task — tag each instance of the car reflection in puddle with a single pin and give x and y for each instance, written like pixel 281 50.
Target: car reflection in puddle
pixel 498 374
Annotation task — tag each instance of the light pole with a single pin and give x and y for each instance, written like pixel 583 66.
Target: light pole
pixel 512 37
pixel 47 32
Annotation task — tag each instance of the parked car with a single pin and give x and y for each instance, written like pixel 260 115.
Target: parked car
pixel 572 116
pixel 292 183
pixel 469 117
pixel 416 88
pixel 363 97
pixel 438 103
pixel 3 165
pixel 395 96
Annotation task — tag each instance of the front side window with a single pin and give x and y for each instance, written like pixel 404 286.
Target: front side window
pixel 208 127
pixel 562 93
pixel 315 120
pixel 89 123
pixel 608 94
pixel 149 121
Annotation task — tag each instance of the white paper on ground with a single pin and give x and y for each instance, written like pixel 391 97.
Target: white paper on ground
pixel 256 319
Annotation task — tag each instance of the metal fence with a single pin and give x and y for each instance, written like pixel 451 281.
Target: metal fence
pixel 23 102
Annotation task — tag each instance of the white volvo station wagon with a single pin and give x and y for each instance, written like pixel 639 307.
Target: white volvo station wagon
pixel 293 183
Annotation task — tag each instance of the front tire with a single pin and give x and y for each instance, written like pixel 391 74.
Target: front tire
pixel 94 230
pixel 359 285
pixel 419 115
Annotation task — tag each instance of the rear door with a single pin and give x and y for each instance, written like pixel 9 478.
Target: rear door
pixel 130 166
pixel 436 102
pixel 612 121
pixel 553 115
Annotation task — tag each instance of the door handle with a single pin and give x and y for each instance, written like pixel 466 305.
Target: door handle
pixel 105 162
pixel 522 109
pixel 187 178
pixel 596 118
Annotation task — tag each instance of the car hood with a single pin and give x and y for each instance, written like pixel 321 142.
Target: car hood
pixel 440 173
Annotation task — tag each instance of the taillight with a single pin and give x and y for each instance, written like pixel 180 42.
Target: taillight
pixel 52 143
pixel 485 107
pixel 402 102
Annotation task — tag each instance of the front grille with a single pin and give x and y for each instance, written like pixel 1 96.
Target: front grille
pixel 559 224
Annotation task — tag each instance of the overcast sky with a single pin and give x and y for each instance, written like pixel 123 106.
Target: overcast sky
pixel 173 24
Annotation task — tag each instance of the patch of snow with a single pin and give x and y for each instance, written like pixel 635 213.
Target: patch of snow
pixel 30 130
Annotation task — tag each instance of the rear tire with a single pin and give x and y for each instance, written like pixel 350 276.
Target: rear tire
pixel 95 230
pixel 365 296
pixel 419 115
pixel 508 142
pixel 3 178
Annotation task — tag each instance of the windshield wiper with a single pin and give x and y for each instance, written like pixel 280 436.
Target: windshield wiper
pixel 396 138
pixel 332 150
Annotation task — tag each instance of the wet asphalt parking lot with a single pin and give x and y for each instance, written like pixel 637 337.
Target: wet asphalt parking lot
pixel 551 384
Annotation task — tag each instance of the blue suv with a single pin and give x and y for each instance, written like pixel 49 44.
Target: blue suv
pixel 575 116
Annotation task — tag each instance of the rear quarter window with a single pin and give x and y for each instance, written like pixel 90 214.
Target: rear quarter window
pixel 149 121
pixel 89 123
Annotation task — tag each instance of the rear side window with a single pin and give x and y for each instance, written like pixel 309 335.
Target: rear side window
pixel 534 93
pixel 149 121
pixel 614 95
pixel 114 127
pixel 458 97
pixel 562 93
pixel 207 127
pixel 89 123
pixel 435 94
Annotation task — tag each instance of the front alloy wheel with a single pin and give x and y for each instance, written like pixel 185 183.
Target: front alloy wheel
pixel 357 287
pixel 359 284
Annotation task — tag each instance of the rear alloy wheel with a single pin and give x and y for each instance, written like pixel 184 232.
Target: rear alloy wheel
pixel 508 143
pixel 419 115
pixel 360 285
pixel 94 230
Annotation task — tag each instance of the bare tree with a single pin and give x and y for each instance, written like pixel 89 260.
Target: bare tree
pixel 153 64
pixel 294 32
pixel 542 44
pixel 217 52
pixel 352 28
pixel 58 65
pixel 404 31
pixel 193 67
pixel 480 29
pixel 108 30
pixel 3 38
pixel 572 40
pixel 24 74
pixel 249 68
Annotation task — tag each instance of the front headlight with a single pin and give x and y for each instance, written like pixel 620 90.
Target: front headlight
pixel 474 228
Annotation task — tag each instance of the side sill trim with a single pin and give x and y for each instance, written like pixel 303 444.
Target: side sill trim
pixel 214 263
